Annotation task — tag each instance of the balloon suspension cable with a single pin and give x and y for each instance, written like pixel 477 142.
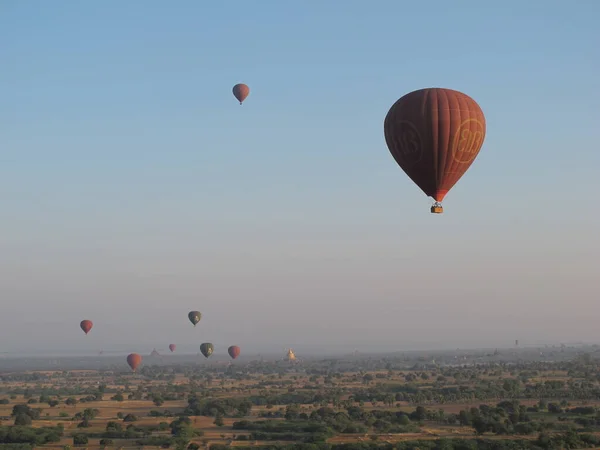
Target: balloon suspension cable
pixel 240 103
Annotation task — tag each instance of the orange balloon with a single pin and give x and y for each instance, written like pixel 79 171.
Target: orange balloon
pixel 241 91
pixel 234 351
pixel 435 135
pixel 86 326
pixel 134 360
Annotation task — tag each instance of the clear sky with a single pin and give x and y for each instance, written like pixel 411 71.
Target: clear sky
pixel 133 187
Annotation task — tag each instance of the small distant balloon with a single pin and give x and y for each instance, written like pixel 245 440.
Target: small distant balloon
pixel 234 351
pixel 194 317
pixel 86 326
pixel 207 349
pixel 134 360
pixel 172 347
pixel 241 91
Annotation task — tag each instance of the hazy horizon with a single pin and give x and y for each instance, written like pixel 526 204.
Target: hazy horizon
pixel 134 188
pixel 302 352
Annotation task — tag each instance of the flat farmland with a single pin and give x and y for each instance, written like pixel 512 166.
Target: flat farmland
pixel 311 403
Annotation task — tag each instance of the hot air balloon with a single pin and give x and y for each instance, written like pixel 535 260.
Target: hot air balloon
pixel 234 351
pixel 241 91
pixel 207 349
pixel 435 135
pixel 134 360
pixel 194 317
pixel 172 347
pixel 86 326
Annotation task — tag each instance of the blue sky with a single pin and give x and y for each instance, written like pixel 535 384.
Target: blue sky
pixel 134 188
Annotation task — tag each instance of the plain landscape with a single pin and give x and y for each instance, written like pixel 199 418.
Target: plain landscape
pixel 537 398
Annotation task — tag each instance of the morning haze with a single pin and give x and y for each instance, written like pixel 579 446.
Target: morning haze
pixel 135 188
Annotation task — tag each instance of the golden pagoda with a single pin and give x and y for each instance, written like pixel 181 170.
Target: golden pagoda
pixel 290 355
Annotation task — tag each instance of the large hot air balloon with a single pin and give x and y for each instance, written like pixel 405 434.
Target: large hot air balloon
pixel 86 326
pixel 234 351
pixel 134 360
pixel 435 135
pixel 172 347
pixel 241 91
pixel 207 349
pixel 194 317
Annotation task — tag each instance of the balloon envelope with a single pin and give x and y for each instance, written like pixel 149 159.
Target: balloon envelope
pixel 86 326
pixel 134 360
pixel 194 317
pixel 172 347
pixel 435 135
pixel 234 351
pixel 207 349
pixel 241 91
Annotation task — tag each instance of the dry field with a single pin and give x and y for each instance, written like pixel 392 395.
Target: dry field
pixel 109 409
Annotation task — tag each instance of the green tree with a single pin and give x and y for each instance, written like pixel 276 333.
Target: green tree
pixel 542 405
pixel 85 423
pixel 90 413
pixel 113 426
pixel 292 412
pixel 80 440
pixel 22 420
pixel 106 443
pixel 26 410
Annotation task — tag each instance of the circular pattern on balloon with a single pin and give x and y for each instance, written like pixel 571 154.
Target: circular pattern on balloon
pixel 468 140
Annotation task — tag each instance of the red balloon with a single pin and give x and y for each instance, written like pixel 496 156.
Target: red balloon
pixel 134 360
pixel 435 135
pixel 86 326
pixel 241 91
pixel 172 347
pixel 234 351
